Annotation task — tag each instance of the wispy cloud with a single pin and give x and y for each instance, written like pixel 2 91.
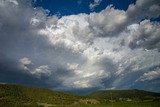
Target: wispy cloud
pixel 96 3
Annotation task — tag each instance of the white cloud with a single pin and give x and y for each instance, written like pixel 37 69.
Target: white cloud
pixel 81 84
pixel 111 48
pixel 145 35
pixel 2 2
pixel 40 71
pixel 144 9
pixel 85 76
pixel 92 6
pixel 102 23
pixel 99 40
pixel 35 21
pixel 24 62
pixel 150 75
pixel 72 66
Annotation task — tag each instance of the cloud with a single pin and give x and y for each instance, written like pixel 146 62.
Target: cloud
pixel 85 76
pixel 27 65
pixel 149 8
pixel 102 23
pixel 43 70
pixel 81 84
pixel 20 42
pixel 24 62
pixel 92 6
pixel 145 35
pixel 111 48
pixel 2 2
pixel 150 75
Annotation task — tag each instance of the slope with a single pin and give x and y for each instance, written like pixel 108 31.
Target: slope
pixel 124 95
pixel 21 95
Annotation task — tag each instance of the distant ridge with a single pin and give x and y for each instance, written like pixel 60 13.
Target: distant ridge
pixel 117 95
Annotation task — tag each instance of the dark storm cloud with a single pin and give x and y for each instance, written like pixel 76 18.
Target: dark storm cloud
pixel 11 73
pixel 18 39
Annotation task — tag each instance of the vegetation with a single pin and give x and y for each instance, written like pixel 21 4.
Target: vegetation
pixel 125 95
pixel 22 96
pixel 125 104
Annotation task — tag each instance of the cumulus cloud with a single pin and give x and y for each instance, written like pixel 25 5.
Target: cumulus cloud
pixel 150 75
pixel 81 84
pixel 92 6
pixel 27 65
pixel 144 9
pixel 86 75
pixel 24 62
pixel 43 70
pixel 145 35
pixel 102 24
pixel 111 48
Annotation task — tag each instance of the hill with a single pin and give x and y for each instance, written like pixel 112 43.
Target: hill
pixel 124 95
pixel 20 96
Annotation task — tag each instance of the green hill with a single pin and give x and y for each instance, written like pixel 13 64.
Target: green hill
pixel 125 95
pixel 20 96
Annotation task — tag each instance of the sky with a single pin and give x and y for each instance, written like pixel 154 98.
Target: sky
pixel 80 46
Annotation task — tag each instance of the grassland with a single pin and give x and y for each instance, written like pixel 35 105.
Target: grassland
pixel 22 96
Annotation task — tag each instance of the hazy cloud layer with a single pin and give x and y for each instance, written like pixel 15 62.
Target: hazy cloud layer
pixel 112 49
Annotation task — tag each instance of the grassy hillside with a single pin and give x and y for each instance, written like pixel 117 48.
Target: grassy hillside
pixel 125 95
pixel 20 96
